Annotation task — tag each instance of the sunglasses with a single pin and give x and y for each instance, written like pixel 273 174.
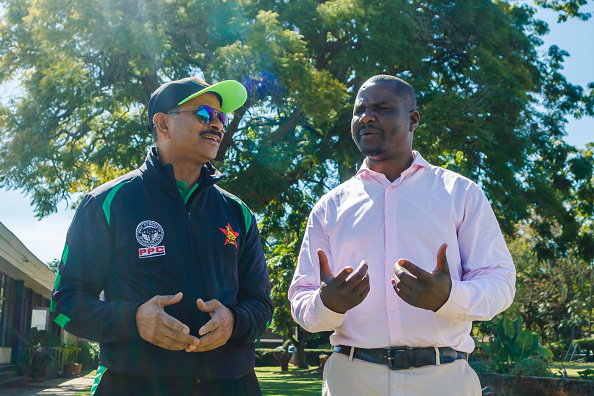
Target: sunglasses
pixel 207 115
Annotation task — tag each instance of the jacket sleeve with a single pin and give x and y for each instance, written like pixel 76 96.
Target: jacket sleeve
pixel 307 307
pixel 488 281
pixel 83 272
pixel 254 309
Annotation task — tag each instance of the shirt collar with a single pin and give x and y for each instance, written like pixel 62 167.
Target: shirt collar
pixel 418 163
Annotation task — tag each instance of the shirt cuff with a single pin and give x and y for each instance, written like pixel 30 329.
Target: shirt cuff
pixel 325 315
pixel 457 303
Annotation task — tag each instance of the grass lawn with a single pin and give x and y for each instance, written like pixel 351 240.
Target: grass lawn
pixel 274 382
pixel 294 382
pixel 571 367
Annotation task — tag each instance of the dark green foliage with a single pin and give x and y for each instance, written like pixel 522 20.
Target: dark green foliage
pixel 566 8
pixel 531 368
pixel 483 366
pixel 558 349
pixel 587 374
pixel 89 354
pixel 511 344
pixel 553 295
pixel 32 341
pixel 264 356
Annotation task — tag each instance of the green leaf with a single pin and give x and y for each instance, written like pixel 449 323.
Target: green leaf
pixel 544 351
pixel 508 329
pixel 517 325
pixel 524 343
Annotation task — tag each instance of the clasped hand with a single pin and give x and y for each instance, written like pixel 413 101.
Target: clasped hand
pixel 345 290
pixel 163 330
pixel 422 289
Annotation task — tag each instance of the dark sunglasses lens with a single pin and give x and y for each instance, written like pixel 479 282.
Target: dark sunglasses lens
pixel 205 114
pixel 223 118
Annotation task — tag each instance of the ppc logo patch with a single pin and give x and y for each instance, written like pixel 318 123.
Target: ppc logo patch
pixel 149 234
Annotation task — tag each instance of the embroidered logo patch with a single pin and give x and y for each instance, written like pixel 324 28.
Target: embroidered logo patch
pixel 149 233
pixel 151 251
pixel 230 234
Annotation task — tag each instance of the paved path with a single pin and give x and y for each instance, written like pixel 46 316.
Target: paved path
pixel 53 387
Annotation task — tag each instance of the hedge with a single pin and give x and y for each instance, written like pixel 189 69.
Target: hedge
pixel 265 357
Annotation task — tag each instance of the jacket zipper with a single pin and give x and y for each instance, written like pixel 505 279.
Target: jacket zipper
pixel 201 286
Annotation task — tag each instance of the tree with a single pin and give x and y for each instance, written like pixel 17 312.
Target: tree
pixel 491 109
pixel 566 8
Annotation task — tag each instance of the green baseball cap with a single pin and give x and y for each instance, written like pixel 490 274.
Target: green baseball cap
pixel 232 95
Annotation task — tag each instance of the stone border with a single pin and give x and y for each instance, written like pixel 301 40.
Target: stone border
pixel 508 385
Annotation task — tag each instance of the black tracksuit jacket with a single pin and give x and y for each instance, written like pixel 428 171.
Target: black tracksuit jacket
pixel 134 238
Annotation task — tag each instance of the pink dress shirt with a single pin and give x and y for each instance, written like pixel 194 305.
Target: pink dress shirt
pixel 369 218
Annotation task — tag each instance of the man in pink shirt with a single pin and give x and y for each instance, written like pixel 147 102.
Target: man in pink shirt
pixel 409 333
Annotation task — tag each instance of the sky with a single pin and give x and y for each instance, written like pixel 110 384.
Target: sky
pixel 46 237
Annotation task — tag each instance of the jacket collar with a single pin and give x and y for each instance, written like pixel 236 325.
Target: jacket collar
pixel 164 173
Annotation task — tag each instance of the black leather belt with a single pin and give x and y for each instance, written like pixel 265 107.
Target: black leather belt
pixel 402 358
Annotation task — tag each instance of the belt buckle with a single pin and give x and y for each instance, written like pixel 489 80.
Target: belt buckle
pixel 398 360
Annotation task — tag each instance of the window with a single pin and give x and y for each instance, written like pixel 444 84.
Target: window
pixel 6 305
pixel 39 318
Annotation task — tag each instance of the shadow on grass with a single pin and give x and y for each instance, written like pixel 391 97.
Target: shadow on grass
pixel 295 382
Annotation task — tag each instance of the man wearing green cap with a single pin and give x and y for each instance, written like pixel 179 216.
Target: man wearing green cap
pixel 164 268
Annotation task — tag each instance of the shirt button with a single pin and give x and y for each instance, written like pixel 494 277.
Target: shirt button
pixel 391 245
pixel 390 213
pixel 392 309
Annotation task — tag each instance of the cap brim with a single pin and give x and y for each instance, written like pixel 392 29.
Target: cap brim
pixel 232 92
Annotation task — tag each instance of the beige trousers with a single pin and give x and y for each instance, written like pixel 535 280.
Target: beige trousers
pixel 359 378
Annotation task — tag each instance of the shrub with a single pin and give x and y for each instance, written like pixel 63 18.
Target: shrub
pixel 89 354
pixel 531 368
pixel 587 374
pixel 483 366
pixel 559 349
pixel 265 357
pixel 511 344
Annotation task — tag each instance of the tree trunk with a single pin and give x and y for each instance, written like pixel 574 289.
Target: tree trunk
pixel 299 353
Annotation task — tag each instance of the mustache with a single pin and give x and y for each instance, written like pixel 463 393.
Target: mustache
pixel 212 132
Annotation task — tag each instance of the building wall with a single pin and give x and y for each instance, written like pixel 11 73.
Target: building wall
pixel 25 284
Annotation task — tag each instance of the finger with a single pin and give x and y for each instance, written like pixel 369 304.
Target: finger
pixel 398 269
pixel 403 296
pixel 208 306
pixel 418 272
pixel 361 285
pixel 365 292
pixel 182 339
pixel 357 275
pixel 404 288
pixel 171 343
pixel 166 338
pixel 362 289
pixel 442 260
pixel 342 276
pixel 409 280
pixel 167 300
pixel 175 326
pixel 209 326
pixel 211 341
pixel 326 273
